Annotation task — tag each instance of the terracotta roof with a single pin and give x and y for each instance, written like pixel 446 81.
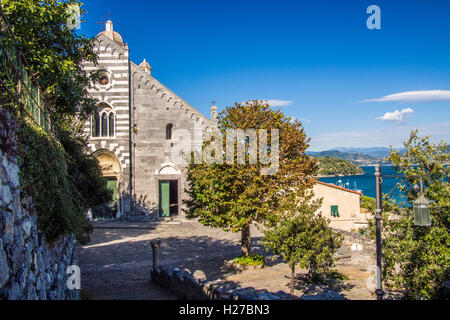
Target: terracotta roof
pixel 337 187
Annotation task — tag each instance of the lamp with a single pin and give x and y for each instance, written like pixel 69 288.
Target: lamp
pixel 422 216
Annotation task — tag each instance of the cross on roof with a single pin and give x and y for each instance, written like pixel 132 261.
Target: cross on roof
pixel 101 22
pixel 213 102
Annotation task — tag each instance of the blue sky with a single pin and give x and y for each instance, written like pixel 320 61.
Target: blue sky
pixel 318 58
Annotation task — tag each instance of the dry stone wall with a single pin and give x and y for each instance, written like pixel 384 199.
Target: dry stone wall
pixel 30 269
pixel 194 286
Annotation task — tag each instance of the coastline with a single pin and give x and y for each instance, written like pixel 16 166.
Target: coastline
pixel 339 175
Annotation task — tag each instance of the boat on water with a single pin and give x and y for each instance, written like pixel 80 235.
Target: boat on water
pixel 346 185
pixel 355 188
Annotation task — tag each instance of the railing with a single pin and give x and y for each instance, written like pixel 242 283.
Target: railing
pixel 22 94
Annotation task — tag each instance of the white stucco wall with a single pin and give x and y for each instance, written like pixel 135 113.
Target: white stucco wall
pixel 348 204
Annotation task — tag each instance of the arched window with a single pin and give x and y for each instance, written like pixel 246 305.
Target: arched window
pixel 111 124
pixel 104 125
pixel 103 122
pixel 96 125
pixel 169 131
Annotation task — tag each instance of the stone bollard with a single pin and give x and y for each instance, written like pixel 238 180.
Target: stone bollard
pixel 155 244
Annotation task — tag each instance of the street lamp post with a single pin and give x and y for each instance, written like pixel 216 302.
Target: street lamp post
pixel 378 181
pixel 422 217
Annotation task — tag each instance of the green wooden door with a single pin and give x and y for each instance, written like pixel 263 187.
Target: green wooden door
pixel 107 210
pixel 164 198
pixel 111 183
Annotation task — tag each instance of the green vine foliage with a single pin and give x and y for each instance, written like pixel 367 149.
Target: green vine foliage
pixel 58 192
pixel 56 170
pixel 83 167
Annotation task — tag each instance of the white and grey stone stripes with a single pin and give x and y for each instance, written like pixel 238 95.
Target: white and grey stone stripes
pixel 144 81
pixel 153 108
pixel 114 147
pixel 113 60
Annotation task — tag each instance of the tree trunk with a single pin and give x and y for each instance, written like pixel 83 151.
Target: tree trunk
pixel 292 279
pixel 245 241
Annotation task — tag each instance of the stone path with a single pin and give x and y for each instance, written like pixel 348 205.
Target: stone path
pixel 116 263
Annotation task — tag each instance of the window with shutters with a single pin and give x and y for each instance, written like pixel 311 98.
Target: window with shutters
pixel 334 211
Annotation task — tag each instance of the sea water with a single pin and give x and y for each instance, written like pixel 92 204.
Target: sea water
pixel 365 183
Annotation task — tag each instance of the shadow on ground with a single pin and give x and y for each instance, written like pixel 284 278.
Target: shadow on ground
pixel 331 288
pixel 116 264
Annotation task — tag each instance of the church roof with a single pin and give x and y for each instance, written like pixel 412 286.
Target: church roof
pixel 110 33
pixel 144 64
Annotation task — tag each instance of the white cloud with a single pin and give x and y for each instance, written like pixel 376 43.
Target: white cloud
pixel 384 137
pixel 278 103
pixel 273 102
pixel 415 96
pixel 302 120
pixel 397 116
pixel 305 120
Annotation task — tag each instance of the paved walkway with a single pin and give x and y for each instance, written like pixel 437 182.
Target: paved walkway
pixel 117 261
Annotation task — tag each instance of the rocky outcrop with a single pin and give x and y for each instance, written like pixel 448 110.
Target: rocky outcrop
pixel 30 268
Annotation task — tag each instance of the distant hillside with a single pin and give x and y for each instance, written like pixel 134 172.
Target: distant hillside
pixel 376 152
pixel 332 167
pixel 360 156
pixel 343 155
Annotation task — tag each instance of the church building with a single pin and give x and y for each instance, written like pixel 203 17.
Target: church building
pixel 131 133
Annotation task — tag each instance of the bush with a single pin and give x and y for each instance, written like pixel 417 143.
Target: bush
pixel 302 237
pixel 58 197
pixel 251 260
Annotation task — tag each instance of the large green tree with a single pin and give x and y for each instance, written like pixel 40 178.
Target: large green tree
pixel 54 50
pixel 416 259
pixel 233 194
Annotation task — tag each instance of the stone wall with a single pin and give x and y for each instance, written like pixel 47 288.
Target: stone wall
pixel 29 268
pixel 190 286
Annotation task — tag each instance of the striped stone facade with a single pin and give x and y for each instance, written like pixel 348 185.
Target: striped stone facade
pixel 142 108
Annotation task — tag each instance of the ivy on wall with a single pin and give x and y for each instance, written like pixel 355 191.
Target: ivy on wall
pixel 60 195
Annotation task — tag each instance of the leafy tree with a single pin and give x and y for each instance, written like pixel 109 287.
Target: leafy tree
pixel 416 259
pixel 82 166
pixel 54 52
pixel 302 237
pixel 56 170
pixel 232 196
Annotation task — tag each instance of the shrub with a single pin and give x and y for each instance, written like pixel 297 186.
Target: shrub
pixel 251 260
pixel 302 237
pixel 44 175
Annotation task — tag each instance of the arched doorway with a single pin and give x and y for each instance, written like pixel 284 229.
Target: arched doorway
pixel 112 173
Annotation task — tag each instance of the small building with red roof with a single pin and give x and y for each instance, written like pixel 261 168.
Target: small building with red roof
pixel 341 206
